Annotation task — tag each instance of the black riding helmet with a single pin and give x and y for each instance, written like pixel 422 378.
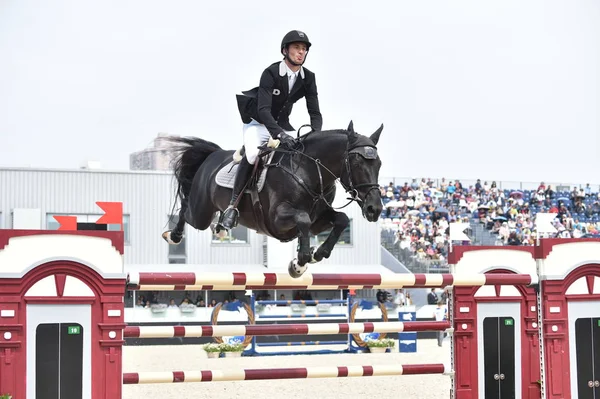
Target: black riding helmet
pixel 294 36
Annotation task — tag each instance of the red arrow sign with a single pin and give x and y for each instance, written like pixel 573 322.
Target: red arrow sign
pixel 113 213
pixel 66 222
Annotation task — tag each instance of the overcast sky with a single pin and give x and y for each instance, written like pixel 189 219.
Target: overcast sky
pixel 505 89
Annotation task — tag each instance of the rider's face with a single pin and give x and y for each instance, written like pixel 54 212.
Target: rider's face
pixel 297 52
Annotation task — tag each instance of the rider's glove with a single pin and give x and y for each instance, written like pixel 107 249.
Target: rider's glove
pixel 286 140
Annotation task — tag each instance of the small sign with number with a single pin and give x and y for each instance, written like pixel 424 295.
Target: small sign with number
pixel 508 322
pixel 74 330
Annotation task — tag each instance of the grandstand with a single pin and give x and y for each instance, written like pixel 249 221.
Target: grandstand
pixel 416 215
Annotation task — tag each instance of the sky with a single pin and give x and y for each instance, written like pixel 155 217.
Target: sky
pixel 498 89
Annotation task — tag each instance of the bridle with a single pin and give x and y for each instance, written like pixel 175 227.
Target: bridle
pixel 367 152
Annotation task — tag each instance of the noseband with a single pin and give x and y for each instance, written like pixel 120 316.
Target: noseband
pixel 366 152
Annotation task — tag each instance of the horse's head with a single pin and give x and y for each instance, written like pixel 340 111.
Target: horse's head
pixel 360 175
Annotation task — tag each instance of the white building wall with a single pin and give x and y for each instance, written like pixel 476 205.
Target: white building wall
pixel 366 237
pixel 147 198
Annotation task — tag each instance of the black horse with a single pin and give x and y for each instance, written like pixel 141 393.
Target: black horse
pixel 298 191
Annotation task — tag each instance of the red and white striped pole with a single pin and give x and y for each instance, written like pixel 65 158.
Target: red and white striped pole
pixel 282 373
pixel 282 329
pixel 241 281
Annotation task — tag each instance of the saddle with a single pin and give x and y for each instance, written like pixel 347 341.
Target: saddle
pixel 226 178
pixel 226 175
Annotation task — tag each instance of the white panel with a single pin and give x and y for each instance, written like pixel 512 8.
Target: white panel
pixel 578 310
pixel 18 256
pixel 566 257
pixel 481 261
pixel 76 287
pixel 26 219
pixel 509 290
pixel 499 309
pixel 579 287
pixel 44 287
pixel 485 291
pixel 490 290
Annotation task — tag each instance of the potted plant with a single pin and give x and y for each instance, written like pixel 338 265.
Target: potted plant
pixel 187 308
pixel 232 350
pixel 380 345
pixel 323 307
pixel 212 350
pixel 298 307
pixel 158 308
pixel 6 396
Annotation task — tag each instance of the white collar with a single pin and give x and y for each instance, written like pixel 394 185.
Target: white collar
pixel 284 69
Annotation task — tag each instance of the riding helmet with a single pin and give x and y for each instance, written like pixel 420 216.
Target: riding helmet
pixel 293 37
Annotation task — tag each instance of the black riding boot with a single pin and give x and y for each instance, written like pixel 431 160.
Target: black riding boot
pixel 229 217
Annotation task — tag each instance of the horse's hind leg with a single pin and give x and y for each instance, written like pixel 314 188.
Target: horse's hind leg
pixel 175 236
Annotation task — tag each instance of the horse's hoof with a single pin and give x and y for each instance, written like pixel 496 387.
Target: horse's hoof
pixel 320 254
pixel 219 230
pixel 295 270
pixel 167 237
pixel 312 255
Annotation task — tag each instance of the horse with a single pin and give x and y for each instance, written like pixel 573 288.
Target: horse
pixel 296 198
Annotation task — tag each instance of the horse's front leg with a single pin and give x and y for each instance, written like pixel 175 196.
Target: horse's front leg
pixel 339 221
pixel 286 214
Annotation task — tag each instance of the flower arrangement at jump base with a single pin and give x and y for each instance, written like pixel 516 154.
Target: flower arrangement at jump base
pixel 230 348
pixel 380 345
pixel 212 350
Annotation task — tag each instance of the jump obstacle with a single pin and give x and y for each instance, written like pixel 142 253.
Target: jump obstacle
pixel 349 342
pixel 534 294
pixel 280 281
pixel 281 329
pixel 353 343
pixel 282 373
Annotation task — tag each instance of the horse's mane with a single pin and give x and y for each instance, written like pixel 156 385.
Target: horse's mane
pixel 353 139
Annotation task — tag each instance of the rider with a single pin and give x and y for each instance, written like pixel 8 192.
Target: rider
pixel 265 110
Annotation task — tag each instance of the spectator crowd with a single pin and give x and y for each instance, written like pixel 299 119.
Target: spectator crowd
pixel 419 213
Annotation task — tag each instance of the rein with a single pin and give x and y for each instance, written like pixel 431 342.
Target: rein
pixel 351 189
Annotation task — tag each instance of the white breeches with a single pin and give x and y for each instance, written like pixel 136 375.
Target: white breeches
pixel 255 135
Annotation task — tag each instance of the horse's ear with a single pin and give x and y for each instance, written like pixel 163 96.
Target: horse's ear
pixel 375 136
pixel 351 127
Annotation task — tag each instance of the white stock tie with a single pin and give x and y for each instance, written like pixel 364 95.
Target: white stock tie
pixel 291 82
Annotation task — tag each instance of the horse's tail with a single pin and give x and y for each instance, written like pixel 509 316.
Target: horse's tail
pixel 191 153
